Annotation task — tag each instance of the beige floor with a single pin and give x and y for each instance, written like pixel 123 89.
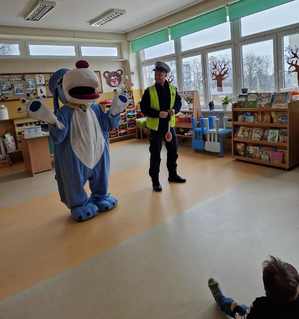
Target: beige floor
pixel 39 241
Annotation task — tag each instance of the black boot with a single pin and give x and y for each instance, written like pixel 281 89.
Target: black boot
pixel 156 185
pixel 175 178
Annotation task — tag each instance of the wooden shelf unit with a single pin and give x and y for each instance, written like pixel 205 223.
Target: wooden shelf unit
pixel 192 111
pixel 127 127
pixel 290 149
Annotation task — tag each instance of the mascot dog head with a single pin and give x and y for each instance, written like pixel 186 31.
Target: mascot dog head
pixel 79 86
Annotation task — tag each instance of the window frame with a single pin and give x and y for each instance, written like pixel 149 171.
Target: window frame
pixel 33 42
pixel 102 45
pixel 21 48
pixel 237 41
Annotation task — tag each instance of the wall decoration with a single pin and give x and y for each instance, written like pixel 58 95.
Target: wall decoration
pixel 114 78
pixel 292 59
pixel 16 86
pixel 219 71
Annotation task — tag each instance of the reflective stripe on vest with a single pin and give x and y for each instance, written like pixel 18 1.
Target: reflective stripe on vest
pixel 151 122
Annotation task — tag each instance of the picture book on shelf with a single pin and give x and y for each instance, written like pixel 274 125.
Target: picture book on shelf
pixel 240 149
pixel 253 152
pixel 277 157
pixel 257 134
pixel 265 154
pixel 266 118
pixel 283 136
pixel 252 99
pixel 265 135
pixel 264 100
pixel 244 132
pixel 281 99
pixel 279 118
pixel 273 136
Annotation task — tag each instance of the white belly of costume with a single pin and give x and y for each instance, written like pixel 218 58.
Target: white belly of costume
pixel 87 138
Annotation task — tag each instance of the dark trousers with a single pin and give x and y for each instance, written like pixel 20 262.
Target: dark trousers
pixel 156 140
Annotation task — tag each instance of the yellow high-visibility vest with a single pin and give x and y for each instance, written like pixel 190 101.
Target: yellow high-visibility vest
pixel 151 122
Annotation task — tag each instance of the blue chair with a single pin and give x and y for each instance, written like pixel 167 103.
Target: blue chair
pixel 208 136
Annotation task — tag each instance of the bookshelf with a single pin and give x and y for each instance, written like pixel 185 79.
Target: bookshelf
pixel 190 108
pixel 266 136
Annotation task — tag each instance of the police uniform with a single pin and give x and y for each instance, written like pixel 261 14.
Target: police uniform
pixel 155 99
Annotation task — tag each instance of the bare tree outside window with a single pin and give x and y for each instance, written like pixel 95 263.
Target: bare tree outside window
pixel 192 76
pixel 220 75
pixel 220 70
pixel 258 66
pixel 292 59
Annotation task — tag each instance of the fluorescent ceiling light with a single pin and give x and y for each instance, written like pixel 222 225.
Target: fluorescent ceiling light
pixel 41 9
pixel 106 17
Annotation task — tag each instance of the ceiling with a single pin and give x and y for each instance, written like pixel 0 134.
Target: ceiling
pixel 75 14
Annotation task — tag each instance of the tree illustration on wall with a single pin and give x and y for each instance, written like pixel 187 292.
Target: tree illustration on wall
pixel 292 59
pixel 220 71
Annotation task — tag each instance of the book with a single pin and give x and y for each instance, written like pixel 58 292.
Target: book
pixel 252 100
pixel 244 132
pixel 264 100
pixel 265 154
pixel 266 118
pixel 253 152
pixel 277 157
pixel 240 149
pixel 273 136
pixel 281 99
pixel 265 135
pixel 257 134
pixel 283 136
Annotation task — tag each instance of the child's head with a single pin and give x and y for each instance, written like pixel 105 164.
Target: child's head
pixel 281 281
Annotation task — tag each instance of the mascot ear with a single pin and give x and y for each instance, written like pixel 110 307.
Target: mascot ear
pixel 107 75
pixel 120 72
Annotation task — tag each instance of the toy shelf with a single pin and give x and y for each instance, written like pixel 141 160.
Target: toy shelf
pixel 278 143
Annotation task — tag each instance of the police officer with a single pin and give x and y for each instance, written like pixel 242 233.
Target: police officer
pixel 159 104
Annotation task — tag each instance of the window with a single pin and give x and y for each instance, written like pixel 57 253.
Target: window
pixel 220 75
pixel 99 51
pixel 291 61
pixel 149 74
pixel 159 50
pixel 277 17
pixel 192 75
pixel 51 50
pixel 258 66
pixel 206 37
pixel 9 49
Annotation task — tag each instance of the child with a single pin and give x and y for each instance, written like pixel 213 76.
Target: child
pixel 281 283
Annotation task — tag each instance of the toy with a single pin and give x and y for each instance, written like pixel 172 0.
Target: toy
pixel 80 132
pixel 208 136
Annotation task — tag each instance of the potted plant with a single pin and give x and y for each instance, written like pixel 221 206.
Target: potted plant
pixel 226 100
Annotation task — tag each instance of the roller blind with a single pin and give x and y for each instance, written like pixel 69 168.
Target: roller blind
pixel 245 8
pixel 150 40
pixel 196 24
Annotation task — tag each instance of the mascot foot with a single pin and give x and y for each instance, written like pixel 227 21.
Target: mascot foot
pixel 85 212
pixel 104 203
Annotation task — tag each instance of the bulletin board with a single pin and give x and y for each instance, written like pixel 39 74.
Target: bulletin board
pixel 15 86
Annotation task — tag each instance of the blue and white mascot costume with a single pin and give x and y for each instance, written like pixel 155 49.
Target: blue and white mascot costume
pixel 80 132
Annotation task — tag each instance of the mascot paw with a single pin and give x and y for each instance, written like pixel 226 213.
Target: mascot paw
pixel 86 212
pixel 106 203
